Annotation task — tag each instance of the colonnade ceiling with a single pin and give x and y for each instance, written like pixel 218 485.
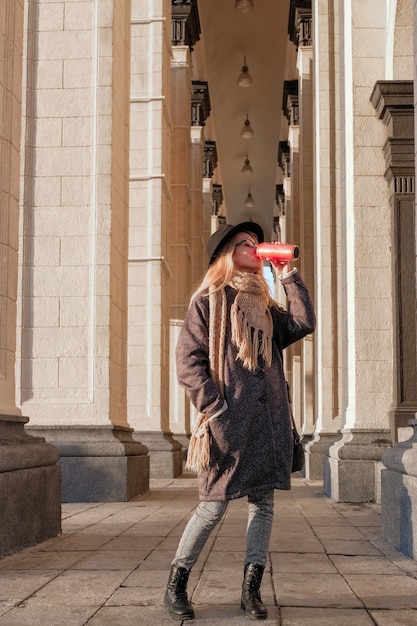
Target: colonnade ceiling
pixel 228 37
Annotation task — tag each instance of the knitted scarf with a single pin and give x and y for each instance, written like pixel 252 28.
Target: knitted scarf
pixel 251 323
pixel 251 320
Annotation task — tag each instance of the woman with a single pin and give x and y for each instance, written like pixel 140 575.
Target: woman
pixel 229 360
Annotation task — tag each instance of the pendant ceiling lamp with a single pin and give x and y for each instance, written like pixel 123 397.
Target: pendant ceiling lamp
pixel 244 79
pixel 249 202
pixel 244 5
pixel 247 169
pixel 247 130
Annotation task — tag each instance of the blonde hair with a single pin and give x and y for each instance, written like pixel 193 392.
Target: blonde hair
pixel 221 271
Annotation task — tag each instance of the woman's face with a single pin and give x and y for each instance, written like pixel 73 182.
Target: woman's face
pixel 244 254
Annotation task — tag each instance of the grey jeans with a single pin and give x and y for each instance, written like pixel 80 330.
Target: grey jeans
pixel 208 514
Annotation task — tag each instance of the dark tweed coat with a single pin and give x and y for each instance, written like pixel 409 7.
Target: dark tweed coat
pixel 251 442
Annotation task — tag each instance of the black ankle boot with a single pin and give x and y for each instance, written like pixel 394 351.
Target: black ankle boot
pixel 251 601
pixel 176 599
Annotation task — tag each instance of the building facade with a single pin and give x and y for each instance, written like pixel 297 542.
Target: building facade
pixel 114 174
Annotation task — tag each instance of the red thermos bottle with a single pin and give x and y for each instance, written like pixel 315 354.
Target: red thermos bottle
pixel 277 252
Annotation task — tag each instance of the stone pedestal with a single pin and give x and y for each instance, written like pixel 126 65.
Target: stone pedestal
pixel 166 455
pixel 314 454
pixel 399 495
pixel 350 465
pixel 28 474
pixel 99 464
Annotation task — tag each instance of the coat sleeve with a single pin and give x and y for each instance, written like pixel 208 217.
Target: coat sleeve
pixel 192 360
pixel 299 320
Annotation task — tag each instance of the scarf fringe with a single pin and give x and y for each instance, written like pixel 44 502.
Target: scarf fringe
pixel 198 455
pixel 250 341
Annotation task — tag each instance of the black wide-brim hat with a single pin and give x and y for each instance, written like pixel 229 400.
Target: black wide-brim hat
pixel 226 232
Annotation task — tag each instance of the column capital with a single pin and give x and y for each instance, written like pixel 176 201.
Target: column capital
pixel 200 103
pixel 394 104
pixel 210 158
pixel 299 23
pixel 217 196
pixel 185 23
pixel 284 160
pixel 290 102
pixel 280 198
pixel 392 97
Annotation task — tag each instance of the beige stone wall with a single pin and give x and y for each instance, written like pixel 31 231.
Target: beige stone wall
pixel 11 43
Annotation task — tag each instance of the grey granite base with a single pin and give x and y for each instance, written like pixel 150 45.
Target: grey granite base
pixel 314 454
pixel 399 495
pixel 350 465
pixel 30 487
pixel 165 452
pixel 99 463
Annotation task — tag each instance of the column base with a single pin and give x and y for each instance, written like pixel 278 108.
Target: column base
pixel 184 440
pixel 350 465
pixel 30 487
pixel 400 419
pixel 399 495
pixel 165 454
pixel 99 463
pixel 314 454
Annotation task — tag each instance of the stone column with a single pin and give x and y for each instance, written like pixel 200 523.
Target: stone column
pixel 394 103
pixel 30 487
pixel 189 112
pixel 303 21
pixel 285 232
pixel 180 230
pixel 201 106
pixel 73 293
pixel 327 234
pixel 351 464
pixel 150 267
pixel 212 195
pixel 291 153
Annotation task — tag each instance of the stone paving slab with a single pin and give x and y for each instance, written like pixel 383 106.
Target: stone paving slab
pixel 49 615
pixel 328 565
pixel 363 564
pixel 293 563
pixel 325 617
pixel 395 618
pixel 315 590
pixel 384 591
